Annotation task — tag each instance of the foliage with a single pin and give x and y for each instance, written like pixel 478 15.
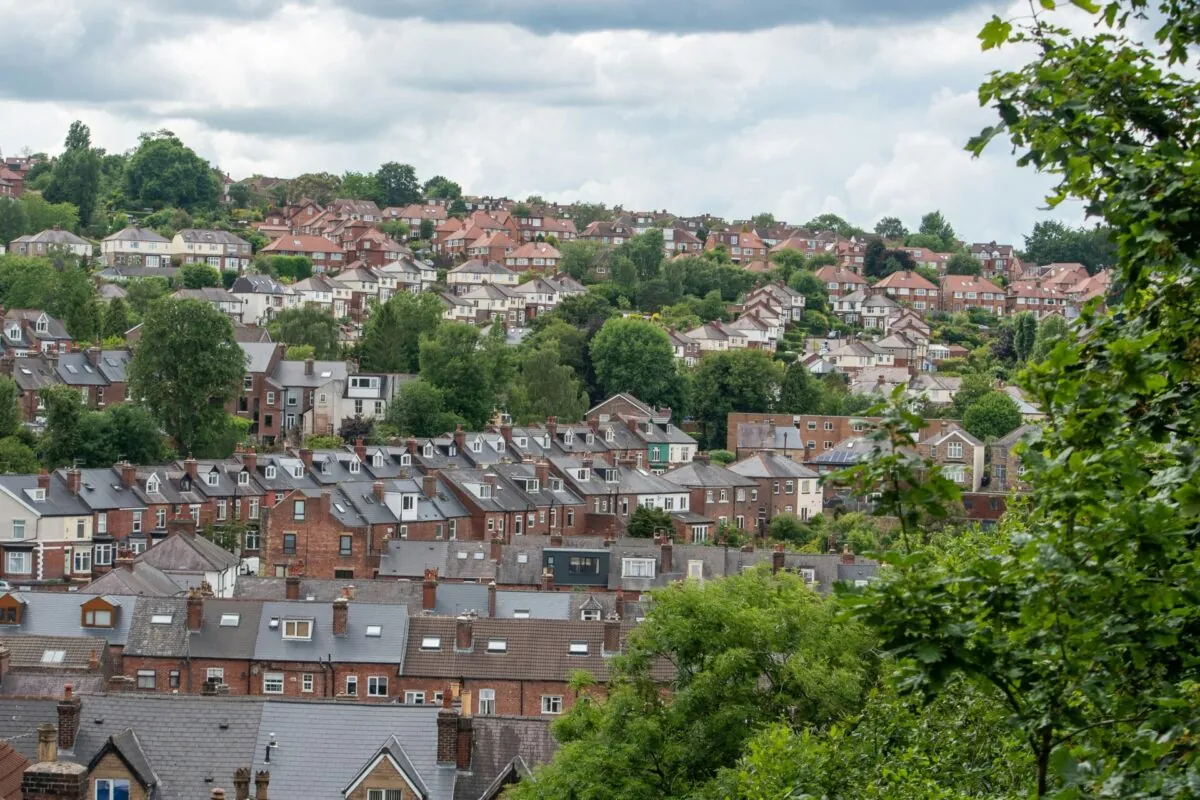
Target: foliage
pixel 451 360
pixel 299 352
pixel 187 366
pixel 199 276
pixel 578 257
pixel 391 338
pixel 76 175
pixel 10 409
pixel 974 386
pixel 64 418
pixel 789 528
pixel 16 457
pixel 729 381
pixel 815 291
pixel 163 172
pixel 398 184
pixel 879 262
pixel 547 387
pixel 632 355
pixel 1050 331
pixel 721 457
pixel 116 319
pixel 646 521
pixel 419 409
pixel 934 224
pixel 1052 242
pixel 323 442
pixel 992 416
pixel 438 187
pixel 296 268
pixel 319 187
pixel 40 214
pixel 307 326
pixel 584 214
pixel 144 292
pixel 1024 327
pixel 891 228
pixel 14 221
pixel 962 263
pixel 834 223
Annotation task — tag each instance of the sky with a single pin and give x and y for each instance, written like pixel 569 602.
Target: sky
pixel 731 107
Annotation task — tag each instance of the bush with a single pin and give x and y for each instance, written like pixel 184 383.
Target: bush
pixel 323 442
pixel 721 457
pixel 646 521
pixel 789 528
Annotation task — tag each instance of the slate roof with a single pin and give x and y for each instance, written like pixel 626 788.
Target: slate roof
pixel 504 747
pixel 59 614
pixel 166 640
pixel 409 559
pixel 706 475
pixel 19 719
pixel 32 373
pixel 291 373
pixel 258 355
pixel 74 369
pixel 213 640
pixel 198 235
pixel 136 234
pixel 537 605
pixel 770 465
pixel 185 551
pixel 355 646
pixel 127 745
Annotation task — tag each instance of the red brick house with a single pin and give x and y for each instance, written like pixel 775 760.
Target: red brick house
pixel 964 292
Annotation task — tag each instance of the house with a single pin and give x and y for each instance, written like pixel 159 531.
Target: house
pixel 717 492
pixel 875 311
pixel 364 210
pixel 28 331
pixel 543 294
pixel 533 255
pixel 686 349
pixel 783 487
pixel 361 396
pixel 717 336
pixel 261 400
pixel 477 272
pixel 999 260
pixel 910 288
pixel 785 300
pixel 414 214
pixel 939 389
pixel 326 293
pixel 680 240
pixel 31 374
pixel 840 281
pixel 372 246
pixel 1006 472
pixel 192 560
pixel 135 247
pixel 857 354
pixel 51 242
pixel 742 246
pixel 222 299
pixel 495 245
pixel 1030 296
pixel 262 298
pixel 98 375
pixel 45 528
pixel 965 292
pixel 607 232
pixel 325 255
pixel 848 307
pixel 221 250
pixel 958 453
pixel 407 275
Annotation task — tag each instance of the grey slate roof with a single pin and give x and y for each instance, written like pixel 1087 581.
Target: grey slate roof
pixel 215 640
pixel 184 551
pixel 258 355
pixel 136 579
pixel 136 234
pixel 539 605
pixel 705 475
pixel 771 465
pixel 126 743
pixel 166 640
pixel 203 236
pixel 355 646
pixel 58 614
pixel 409 559
pixel 504 747
pixel 291 373
pixel 19 720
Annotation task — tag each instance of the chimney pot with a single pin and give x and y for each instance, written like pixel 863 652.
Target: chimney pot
pixel 847 555
pixel 47 752
pixel 241 783
pixel 73 480
pixel 262 779
pixel 217 794
pixel 250 460
pixel 492 599
pixel 377 487
pixel 128 475
pixel 429 486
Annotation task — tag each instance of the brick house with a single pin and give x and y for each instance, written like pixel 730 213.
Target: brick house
pixel 909 288
pixel 958 453
pixel 221 250
pixel 840 281
pixel 324 254
pixel 27 331
pixel 538 256
pixel 784 487
pixel 1005 469
pixel 999 260
pixel 494 245
pixel 742 246
pixel 717 493
pixel 964 292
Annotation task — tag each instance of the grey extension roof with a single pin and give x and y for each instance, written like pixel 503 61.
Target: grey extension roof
pixel 291 373
pixel 136 579
pixel 354 647
pixel 101 489
pixel 58 614
pixel 702 474
pixel 202 236
pixel 409 559
pixel 538 605
pixel 213 640
pixel 184 551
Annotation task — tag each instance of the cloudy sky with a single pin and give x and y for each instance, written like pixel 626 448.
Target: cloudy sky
pixel 727 106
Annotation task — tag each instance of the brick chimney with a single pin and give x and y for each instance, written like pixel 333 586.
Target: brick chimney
pixel 667 562
pixel 777 556
pixel 5 657
pixel 547 579
pixel 447 734
pixel 847 555
pixel 291 587
pixel 497 550
pixel 619 604
pixel 128 475
pixel 491 598
pixel 250 460
pixel 413 446
pixel 189 466
pixel 460 438
pixel 429 590
pixel 429 485
pixel 92 354
pixel 464 633
pixel 195 611
pixel 506 433
pixel 542 470
pixel 241 784
pixel 47 752
pixel 326 502
pixel 341 614
pixel 57 780
pixel 306 457
pixel 594 425
pixel 73 480
pixel 262 779
pixel 552 427
pixel 44 481
pixel 612 634
pixel 360 450
pixel 378 490
pixel 68 719
pixel 308 366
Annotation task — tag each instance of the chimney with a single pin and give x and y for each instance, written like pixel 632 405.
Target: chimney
pixel 250 460
pixel 291 587
pixel 308 366
pixel 93 662
pixel 57 780
pixel 491 598
pixel 847 555
pixel 586 463
pixel 412 446
pixel 429 486
pixel 619 604
pixel 195 611
pixel 668 562
pixel 189 466
pixel 262 779
pixel 594 425
pixel 68 719
pixel 497 549
pixel 701 458
pixel 429 590
pixel 447 734
pixel 217 794
pixel 552 427
pixel 547 579
pixel 542 470
pixel 44 481
pixel 377 488
pixel 360 450
pixel 241 784
pixel 306 457
pixel 506 433
pixel 73 479
pixel 464 633
pixel 466 735
pixel 326 502
pixel 460 438
pixel 777 556
pixel 92 354
pixel 47 752
pixel 341 614
pixel 128 475
pixel 612 634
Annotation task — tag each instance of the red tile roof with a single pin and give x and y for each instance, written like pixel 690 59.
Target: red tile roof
pixel 301 243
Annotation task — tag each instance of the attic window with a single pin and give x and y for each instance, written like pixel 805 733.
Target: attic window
pixel 521 613
pixel 152 485
pixel 270 472
pixel 298 471
pixel 341 509
pixel 609 435
pixel 556 484
pixel 590 439
pixel 431 643
pixel 374 631
pixel 497 646
pixel 477 446
pixel 522 442
pixel 578 648
pixel 500 445
pixel 461 554
pixel 522 558
pixel 569 437
pixel 405 460
pixel 297 629
pixel 230 620
pixel 354 466
pixel 479 555
pixel 161 619
pixel 243 479
pixel 377 460
pixel 326 467
pixel 39 495
pixel 212 478
pixel 427 451
pixel 71 369
pixel 53 656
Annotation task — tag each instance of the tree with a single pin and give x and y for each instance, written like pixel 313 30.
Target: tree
pixel 815 291
pixel 646 252
pixel 729 381
pixel 789 528
pixel 41 214
pixel 763 220
pixel 199 276
pixel 64 420
pixel 144 292
pixel 743 653
pixel 308 325
pixel 427 230
pixel 578 257
pixel 584 214
pixel 319 187
pixel 834 223
pixel 992 416
pixel 1051 330
pixel 962 263
pixel 974 385
pixel 934 224
pixel 632 355
pixel 1024 334
pixel 646 521
pixel 398 184
pixel 239 195
pixel 547 387
pixel 16 457
pixel 800 392
pixel 521 210
pixel 125 431
pixel 14 221
pixel 419 409
pixel 451 360
pixel 391 338
pixel 163 172
pixel 187 365
pixel 440 188
pixel 10 408
pixel 721 457
pixel 300 352
pixel 873 259
pixel 76 175
pixel 295 268
pixel 891 228
pixel 1052 242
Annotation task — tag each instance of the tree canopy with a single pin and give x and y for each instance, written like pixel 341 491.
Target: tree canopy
pixel 163 172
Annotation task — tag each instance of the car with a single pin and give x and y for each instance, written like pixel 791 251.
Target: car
pixel 5 586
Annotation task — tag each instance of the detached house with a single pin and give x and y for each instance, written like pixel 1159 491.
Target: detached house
pixel 742 246
pixel 840 281
pixel 263 298
pixel 219 249
pixel 135 247
pixel 325 255
pixel 958 453
pixel 906 286
pixel 477 272
pixel 50 242
pixel 326 293
pixel 492 246
pixel 28 331
pixel 224 301
pixel 533 255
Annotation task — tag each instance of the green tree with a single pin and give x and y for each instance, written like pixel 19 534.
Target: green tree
pixel 427 230
pixel 452 361
pixel 763 220
pixel 392 336
pixel 295 268
pixel 962 263
pixel 1024 334
pixel 789 528
pixel 891 228
pixel 398 184
pixel 632 355
pixel 10 408
pixel 186 366
pixel 934 224
pixel 1052 242
pixel 144 292
pixel 646 252
pixel 199 276
pixel 14 221
pixel 16 457
pixel 578 257
pixel 63 438
pixel 419 409
pixel 76 175
pixel 992 416
pixel 440 188
pixel 584 214
pixel 240 195
pixel 729 381
pixel 800 392
pixel 721 457
pixel 121 432
pixel 646 521
pixel 974 385
pixel 163 172
pixel 320 187
pixel 1050 331
pixel 815 291
pixel 834 223
pixel 521 210
pixel 308 325
pixel 42 215
pixel 547 387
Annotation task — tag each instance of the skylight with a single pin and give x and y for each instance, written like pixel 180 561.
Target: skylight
pixel 230 620
pixel 161 619
pixel 374 631
pixel 578 648
pixel 431 643
pixel 521 613
pixel 53 656
pixel 497 646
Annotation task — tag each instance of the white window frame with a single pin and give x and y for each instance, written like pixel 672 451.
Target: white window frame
pixel 377 686
pixel 552 704
pixel 487 703
pixel 270 681
pixel 638 567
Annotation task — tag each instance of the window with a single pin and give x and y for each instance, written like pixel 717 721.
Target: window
pixel 775 487
pixel 161 619
pixel 230 620
pixel 160 518
pixel 253 515
pixel 270 472
pixel 789 487
pixel 345 544
pixel 272 683
pixel 552 704
pixel 80 529
pixel 306 682
pixel 431 643
pixel 637 567
pixel 112 789
pixel 487 702
pixel 53 656
pixel 958 473
pixel 222 509
pixel 384 794
pixel 243 479
pixel 173 679
pixel 146 679
pixel 17 563
pixel 215 675
pixel 497 646
pixel 578 648
pixel 212 478
pixel 289 544
pixel 754 494
pixel 377 686
pixel 102 522
pixel 298 511
pixel 18 529
pixel 954 450
pixel 297 629
pixel 590 615
pixel 103 555
pixel 83 560
pixel 137 521
pixel 699 534
pixel 583 565
pixel 352 685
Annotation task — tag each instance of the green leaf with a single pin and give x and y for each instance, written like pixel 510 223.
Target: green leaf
pixel 1048 4
pixel 1086 5
pixel 995 33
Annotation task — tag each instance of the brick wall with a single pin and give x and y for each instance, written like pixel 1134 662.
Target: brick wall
pixel 111 766
pixel 318 542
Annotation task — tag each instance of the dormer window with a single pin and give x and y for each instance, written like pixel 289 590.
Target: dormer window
pixel 43 325
pixel 211 478
pixel 477 446
pixel 556 484
pixel 427 451
pixel 354 466
pixel 298 471
pixel 569 437
pixel 243 479
pixel 452 451
pixel 14 332
pixel 10 609
pixel 97 613
pixel 377 460
pixel 500 445
pixel 152 485
pixel 485 491
pixel 609 435
pixel 582 474
pixel 405 460
pixel 297 629
pixel 270 472
pixel 326 467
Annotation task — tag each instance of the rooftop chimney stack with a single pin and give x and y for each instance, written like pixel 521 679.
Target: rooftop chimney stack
pixel 308 366
pixel 341 614
pixel 128 475
pixel 447 735
pixel 43 481
pixel 195 611
pixel 292 587
pixel 547 579
pixel 68 719
pixel 464 633
pixel 73 480
pixel 262 779
pixel 429 486
pixel 189 466
pixel 612 634
pixel 360 450
pixel 250 460
pixel 429 590
pixel 306 457
pixel 491 598
pixel 47 752
pixel 241 784
pixel 460 438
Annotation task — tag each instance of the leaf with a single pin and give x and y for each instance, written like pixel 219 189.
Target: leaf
pixel 1048 4
pixel 995 33
pixel 928 652
pixel 1086 5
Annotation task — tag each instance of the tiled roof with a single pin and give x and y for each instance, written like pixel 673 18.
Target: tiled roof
pixel 30 651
